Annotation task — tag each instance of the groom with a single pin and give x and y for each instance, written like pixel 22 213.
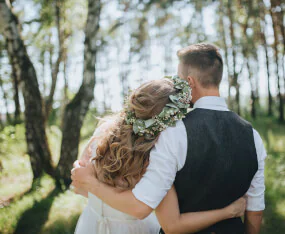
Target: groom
pixel 213 156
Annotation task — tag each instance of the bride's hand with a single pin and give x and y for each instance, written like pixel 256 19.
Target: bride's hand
pixel 79 163
pixel 82 177
pixel 237 208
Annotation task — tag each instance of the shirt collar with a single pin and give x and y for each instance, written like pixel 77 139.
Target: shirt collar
pixel 211 103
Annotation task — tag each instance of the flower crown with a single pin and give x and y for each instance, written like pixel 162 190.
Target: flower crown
pixel 175 110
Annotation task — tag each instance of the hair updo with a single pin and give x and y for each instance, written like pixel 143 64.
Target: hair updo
pixel 121 156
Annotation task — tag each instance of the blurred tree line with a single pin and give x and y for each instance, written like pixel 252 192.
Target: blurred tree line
pixel 36 54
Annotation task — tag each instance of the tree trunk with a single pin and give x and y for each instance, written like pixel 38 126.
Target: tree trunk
pixel 76 110
pixel 15 80
pixel 275 45
pixel 43 68
pixel 5 97
pixel 246 57
pixel 263 26
pixel 4 93
pixel 252 91
pixel 249 54
pixel 235 82
pixel 279 15
pixel 55 67
pixel 225 46
pixel 65 89
pixel 265 47
pixel 38 149
pixel 65 60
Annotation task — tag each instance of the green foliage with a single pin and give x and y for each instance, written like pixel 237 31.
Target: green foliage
pixel 273 135
pixel 10 137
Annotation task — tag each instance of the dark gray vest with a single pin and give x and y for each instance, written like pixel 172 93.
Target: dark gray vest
pixel 220 165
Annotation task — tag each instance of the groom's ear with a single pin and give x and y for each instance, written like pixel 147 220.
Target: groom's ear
pixel 191 81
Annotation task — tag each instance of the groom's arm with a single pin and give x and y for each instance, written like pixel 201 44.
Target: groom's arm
pixel 166 158
pixel 255 194
pixel 252 221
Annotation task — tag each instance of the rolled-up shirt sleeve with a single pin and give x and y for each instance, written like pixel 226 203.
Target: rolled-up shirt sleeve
pixel 166 158
pixel 255 194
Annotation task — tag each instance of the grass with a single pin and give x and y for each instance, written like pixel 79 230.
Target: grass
pixel 273 135
pixel 45 210
pixel 42 209
pixel 15 161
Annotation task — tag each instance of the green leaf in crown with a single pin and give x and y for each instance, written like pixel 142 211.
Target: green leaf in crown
pixel 175 110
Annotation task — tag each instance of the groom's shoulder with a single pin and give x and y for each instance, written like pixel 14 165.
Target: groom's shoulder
pixel 193 112
pixel 241 119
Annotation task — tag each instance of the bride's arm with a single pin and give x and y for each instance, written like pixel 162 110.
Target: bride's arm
pixel 172 221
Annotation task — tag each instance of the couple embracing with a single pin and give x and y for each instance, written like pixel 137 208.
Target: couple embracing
pixel 200 171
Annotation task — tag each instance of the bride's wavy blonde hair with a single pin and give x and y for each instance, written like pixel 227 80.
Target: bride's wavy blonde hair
pixel 121 156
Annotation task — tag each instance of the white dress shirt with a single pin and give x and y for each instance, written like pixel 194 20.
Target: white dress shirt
pixel 169 156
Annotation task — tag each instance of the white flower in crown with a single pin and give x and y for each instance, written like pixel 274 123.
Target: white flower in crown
pixel 175 110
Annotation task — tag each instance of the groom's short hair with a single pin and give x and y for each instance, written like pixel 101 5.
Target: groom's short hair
pixel 204 62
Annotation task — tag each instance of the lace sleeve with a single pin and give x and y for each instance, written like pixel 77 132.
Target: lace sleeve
pixel 90 149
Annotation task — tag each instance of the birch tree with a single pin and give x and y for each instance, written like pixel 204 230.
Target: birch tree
pixel 37 144
pixel 77 108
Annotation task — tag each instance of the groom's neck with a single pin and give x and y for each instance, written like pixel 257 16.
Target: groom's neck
pixel 206 92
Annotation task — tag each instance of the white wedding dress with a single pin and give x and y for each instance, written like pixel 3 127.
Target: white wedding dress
pixel 99 218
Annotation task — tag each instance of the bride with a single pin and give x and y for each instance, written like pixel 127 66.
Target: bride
pixel 119 152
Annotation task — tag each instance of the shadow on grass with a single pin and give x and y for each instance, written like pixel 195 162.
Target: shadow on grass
pixel 33 219
pixel 60 226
